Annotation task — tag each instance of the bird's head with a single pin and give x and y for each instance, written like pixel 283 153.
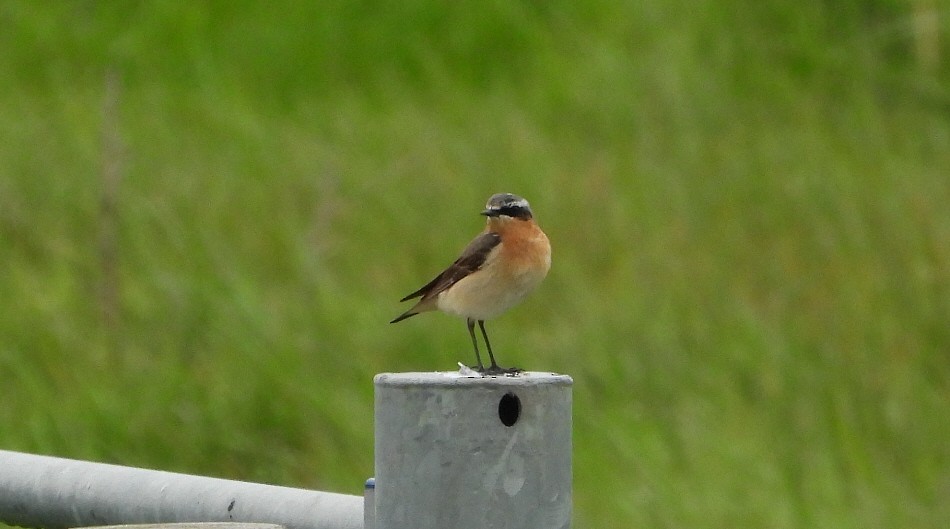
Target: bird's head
pixel 505 206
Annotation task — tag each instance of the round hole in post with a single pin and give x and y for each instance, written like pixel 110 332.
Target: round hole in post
pixel 509 409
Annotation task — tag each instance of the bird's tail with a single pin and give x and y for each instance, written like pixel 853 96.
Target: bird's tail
pixel 408 314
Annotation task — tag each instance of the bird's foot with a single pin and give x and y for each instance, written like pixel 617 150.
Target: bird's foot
pixel 496 370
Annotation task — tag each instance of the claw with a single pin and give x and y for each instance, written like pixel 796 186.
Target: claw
pixel 496 370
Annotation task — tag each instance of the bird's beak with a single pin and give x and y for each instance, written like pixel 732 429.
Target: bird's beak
pixel 490 213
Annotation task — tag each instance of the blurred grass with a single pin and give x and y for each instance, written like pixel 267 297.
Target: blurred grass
pixel 748 207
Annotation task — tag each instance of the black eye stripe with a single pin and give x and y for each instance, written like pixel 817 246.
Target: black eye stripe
pixel 515 211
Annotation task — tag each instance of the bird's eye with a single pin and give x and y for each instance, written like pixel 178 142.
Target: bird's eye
pixel 513 211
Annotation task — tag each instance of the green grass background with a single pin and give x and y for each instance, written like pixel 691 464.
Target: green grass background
pixel 749 205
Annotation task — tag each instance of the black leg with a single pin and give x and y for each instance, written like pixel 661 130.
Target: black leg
pixel 495 369
pixel 481 325
pixel 471 331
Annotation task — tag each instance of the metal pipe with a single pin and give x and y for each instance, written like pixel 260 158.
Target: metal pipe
pixel 456 450
pixel 55 493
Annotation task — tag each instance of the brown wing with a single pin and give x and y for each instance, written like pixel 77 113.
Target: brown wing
pixel 472 258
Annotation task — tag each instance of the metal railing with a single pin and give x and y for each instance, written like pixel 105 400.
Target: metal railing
pixel 451 450
pixel 55 493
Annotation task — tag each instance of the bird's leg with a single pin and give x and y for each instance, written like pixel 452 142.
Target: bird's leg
pixel 481 325
pixel 495 369
pixel 471 330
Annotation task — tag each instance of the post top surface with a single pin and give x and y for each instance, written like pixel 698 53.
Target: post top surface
pixel 190 525
pixel 456 378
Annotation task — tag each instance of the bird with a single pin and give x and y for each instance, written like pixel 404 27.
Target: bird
pixel 495 272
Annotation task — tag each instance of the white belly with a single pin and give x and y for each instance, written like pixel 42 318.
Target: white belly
pixel 487 293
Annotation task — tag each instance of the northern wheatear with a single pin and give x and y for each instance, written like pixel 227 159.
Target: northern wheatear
pixel 495 271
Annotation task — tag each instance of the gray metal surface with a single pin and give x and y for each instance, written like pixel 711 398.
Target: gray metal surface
pixel 51 492
pixel 189 525
pixel 455 451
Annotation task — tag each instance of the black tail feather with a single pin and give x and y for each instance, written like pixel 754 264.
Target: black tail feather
pixel 408 314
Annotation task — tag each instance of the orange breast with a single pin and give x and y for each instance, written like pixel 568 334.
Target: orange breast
pixel 525 247
pixel 510 273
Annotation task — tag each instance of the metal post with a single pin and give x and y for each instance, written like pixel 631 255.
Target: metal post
pixel 369 504
pixel 457 451
pixel 50 492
